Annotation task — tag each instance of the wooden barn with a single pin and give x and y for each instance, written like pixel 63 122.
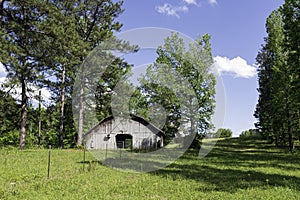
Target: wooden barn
pixel 131 133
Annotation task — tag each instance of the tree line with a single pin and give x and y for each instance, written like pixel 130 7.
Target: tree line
pixel 45 42
pixel 278 107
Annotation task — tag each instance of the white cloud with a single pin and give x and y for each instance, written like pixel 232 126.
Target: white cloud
pixel 183 6
pixel 2 80
pixel 171 10
pixel 2 74
pixel 34 92
pixel 212 2
pixel 191 2
pixel 2 70
pixel 46 95
pixel 16 90
pixel 238 67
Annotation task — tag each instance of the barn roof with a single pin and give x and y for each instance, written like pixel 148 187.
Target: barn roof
pixel 136 118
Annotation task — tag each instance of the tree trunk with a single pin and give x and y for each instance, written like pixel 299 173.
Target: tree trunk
pixel 80 114
pixel 291 140
pixel 62 106
pixel 23 114
pixel 290 132
pixel 298 125
pixel 40 118
pixel 191 116
pixel 289 121
pixel 1 11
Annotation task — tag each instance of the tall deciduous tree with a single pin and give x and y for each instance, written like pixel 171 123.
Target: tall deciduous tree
pixel 291 19
pixel 272 82
pixel 181 81
pixel 277 110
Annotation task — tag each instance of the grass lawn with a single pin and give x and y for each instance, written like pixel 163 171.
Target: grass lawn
pixel 235 169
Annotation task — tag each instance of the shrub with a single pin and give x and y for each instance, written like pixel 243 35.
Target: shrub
pixel 224 133
pixel 10 138
pixel 251 134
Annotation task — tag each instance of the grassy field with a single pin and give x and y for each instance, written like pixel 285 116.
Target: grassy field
pixel 235 169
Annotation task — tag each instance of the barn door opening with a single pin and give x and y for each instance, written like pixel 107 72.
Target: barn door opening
pixel 124 141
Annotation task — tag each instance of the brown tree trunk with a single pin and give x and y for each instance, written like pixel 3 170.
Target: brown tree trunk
pixel 289 122
pixel 40 119
pixel 62 106
pixel 1 11
pixel 23 114
pixel 80 114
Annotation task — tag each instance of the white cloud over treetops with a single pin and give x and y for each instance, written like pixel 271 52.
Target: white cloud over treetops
pixel 238 67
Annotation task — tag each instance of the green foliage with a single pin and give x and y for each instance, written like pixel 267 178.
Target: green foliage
pixel 277 109
pixel 224 133
pixel 182 91
pixel 9 113
pixel 113 83
pixel 181 83
pixel 9 120
pixel 269 108
pixel 43 43
pixel 9 138
pixel 21 47
pixel 291 19
pixel 51 123
pixel 251 134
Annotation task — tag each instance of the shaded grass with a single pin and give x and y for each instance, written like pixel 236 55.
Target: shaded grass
pixel 235 169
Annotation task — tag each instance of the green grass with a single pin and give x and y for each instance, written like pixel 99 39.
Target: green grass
pixel 235 169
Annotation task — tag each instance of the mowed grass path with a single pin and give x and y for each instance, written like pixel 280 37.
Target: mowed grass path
pixel 235 169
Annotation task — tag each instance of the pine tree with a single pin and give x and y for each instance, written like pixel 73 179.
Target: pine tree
pixel 51 39
pixel 21 48
pixel 95 24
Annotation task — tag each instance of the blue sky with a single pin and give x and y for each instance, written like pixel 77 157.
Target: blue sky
pixel 237 29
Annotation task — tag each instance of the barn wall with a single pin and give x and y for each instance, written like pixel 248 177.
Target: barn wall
pixel 142 137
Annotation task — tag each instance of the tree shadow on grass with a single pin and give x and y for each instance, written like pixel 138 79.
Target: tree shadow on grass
pixel 228 180
pixel 255 158
pixel 233 165
pixel 251 153
pixel 239 143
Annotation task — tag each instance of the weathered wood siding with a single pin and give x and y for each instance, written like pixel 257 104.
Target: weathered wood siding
pixel 142 136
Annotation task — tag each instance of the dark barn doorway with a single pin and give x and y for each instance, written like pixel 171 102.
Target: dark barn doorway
pixel 124 141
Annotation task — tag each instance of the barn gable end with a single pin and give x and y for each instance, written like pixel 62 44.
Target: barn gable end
pixel 117 132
